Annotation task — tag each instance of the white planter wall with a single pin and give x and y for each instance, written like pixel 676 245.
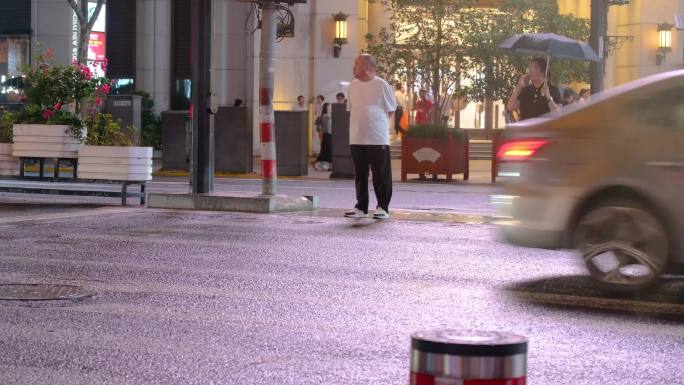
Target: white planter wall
pixel 44 141
pixel 115 163
pixel 9 165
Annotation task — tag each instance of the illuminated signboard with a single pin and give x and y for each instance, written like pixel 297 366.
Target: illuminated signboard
pixel 97 51
pixel 97 46
pixel 100 25
pixel 97 40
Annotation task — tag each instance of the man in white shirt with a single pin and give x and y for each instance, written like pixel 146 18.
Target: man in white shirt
pixel 371 103
pixel 300 106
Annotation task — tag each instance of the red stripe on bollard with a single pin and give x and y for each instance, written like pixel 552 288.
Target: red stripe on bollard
pixel 268 168
pixel 426 379
pixel 266 132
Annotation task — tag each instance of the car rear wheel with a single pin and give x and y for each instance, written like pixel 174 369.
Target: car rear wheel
pixel 624 245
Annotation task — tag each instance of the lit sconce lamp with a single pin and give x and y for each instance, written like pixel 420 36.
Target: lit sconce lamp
pixel 664 41
pixel 340 33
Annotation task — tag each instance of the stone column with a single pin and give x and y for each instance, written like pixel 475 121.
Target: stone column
pixel 153 51
pixel 51 23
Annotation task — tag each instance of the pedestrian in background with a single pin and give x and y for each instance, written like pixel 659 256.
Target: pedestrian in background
pixel 300 106
pixel 446 108
pixel 317 133
pixel 584 95
pixel 399 113
pixel 341 98
pixel 568 97
pixel 325 156
pixel 371 105
pixel 423 108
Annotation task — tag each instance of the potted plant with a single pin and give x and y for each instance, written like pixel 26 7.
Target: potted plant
pixel 107 153
pixel 9 165
pixel 435 149
pixel 51 124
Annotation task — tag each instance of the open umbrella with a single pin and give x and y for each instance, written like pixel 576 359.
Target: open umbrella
pixel 551 45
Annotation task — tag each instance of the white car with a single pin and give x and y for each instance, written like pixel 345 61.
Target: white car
pixel 606 178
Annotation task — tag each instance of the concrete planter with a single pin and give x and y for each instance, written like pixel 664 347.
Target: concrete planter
pixel 9 165
pixel 342 163
pixel 233 149
pixel 44 141
pixel 115 163
pixel 291 131
pixel 435 156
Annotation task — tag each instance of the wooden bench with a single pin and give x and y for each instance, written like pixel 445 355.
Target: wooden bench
pixel 29 182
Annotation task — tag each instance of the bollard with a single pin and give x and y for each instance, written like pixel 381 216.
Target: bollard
pixel 468 357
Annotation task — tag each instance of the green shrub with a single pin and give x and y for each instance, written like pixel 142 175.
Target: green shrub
pixel 104 130
pixel 151 123
pixel 56 94
pixel 6 122
pixel 435 131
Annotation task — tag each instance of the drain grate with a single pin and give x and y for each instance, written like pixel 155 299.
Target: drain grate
pixel 35 292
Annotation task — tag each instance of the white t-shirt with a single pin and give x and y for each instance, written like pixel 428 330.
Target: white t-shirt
pixel 369 103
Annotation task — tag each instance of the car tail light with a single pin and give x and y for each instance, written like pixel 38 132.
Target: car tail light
pixel 519 150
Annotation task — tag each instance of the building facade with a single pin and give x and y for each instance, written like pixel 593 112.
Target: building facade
pixel 632 47
pixel 148 46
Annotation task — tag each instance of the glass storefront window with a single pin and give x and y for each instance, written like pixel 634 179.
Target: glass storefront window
pixel 14 53
pixel 122 86
pixel 182 93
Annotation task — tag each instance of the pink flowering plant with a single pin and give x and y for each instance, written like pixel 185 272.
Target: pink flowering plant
pixel 56 94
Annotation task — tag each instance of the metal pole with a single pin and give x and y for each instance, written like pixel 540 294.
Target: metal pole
pixel 599 30
pixel 202 132
pixel 266 82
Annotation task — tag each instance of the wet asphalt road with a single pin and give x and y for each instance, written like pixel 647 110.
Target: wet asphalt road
pixel 226 298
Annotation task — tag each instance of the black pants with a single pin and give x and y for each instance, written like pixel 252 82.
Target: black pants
pixel 377 159
pixel 326 149
pixel 397 119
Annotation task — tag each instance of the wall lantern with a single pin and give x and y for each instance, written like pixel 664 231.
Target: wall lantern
pixel 340 33
pixel 664 41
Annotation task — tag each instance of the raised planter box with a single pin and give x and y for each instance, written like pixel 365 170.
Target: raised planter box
pixel 115 163
pixel 9 165
pixel 435 156
pixel 291 134
pixel 342 163
pixel 44 141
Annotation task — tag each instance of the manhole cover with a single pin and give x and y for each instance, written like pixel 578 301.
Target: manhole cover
pixel 28 292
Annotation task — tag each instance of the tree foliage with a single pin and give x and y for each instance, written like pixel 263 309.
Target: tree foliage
pixel 453 45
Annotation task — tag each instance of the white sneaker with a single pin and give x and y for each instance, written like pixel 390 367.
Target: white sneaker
pixel 381 214
pixel 356 213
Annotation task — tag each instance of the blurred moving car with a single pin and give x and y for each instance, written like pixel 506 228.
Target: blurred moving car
pixel 606 178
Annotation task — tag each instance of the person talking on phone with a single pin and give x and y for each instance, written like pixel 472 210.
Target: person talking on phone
pixel 534 96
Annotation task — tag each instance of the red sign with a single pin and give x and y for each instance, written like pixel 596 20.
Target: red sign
pixel 97 46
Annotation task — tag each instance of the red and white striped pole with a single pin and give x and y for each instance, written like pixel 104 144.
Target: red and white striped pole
pixel 266 82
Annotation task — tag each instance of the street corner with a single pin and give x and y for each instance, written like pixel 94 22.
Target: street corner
pixel 666 298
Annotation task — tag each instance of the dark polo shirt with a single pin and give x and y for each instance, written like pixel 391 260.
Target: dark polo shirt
pixel 534 104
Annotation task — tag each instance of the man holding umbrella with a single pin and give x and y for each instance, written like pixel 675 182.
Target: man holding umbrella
pixel 534 96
